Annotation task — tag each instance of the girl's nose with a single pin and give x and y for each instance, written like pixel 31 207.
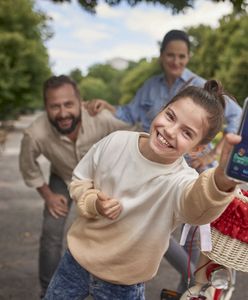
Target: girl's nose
pixel 171 131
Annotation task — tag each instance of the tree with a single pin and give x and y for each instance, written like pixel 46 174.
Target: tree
pixel 76 75
pixel 23 57
pixel 135 77
pixel 111 78
pixel 91 88
pixel 221 53
pixel 175 5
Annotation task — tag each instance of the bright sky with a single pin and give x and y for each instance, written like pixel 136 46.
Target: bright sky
pixel 82 39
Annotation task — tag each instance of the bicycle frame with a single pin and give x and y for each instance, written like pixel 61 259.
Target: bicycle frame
pixel 213 282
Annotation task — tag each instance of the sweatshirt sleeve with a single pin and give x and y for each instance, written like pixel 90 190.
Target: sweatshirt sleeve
pixel 85 196
pixel 206 199
pixel 81 188
pixel 28 163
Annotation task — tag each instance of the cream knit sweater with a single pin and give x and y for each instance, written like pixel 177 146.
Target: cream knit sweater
pixel 155 198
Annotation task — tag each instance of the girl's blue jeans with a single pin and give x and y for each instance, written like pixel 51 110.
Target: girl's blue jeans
pixel 72 282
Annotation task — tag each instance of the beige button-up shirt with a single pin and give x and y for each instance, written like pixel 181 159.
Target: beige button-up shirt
pixel 41 138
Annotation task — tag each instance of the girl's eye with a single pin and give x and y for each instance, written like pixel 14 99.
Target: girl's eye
pixel 169 115
pixel 187 134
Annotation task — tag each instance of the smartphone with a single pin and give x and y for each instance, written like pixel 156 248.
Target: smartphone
pixel 237 167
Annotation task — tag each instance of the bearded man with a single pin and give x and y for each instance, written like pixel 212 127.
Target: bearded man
pixel 63 134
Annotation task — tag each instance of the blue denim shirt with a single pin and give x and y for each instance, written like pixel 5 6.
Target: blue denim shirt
pixel 155 93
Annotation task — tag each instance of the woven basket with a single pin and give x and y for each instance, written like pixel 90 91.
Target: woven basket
pixel 227 250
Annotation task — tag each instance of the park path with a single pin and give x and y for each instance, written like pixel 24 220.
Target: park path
pixel 20 223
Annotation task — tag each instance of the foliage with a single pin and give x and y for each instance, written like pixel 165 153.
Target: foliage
pixel 91 88
pixel 175 5
pixel 104 80
pixel 76 75
pixel 222 53
pixel 23 57
pixel 135 77
pixel 237 77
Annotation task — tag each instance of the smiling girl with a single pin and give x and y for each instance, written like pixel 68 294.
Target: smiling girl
pixel 133 189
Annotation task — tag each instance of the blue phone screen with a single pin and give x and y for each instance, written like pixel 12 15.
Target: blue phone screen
pixel 238 163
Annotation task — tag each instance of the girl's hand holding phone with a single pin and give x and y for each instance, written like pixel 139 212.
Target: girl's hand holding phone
pixel 223 182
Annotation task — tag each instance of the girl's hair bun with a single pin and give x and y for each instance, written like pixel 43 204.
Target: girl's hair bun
pixel 214 86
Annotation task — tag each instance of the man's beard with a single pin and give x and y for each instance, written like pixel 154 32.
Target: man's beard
pixel 75 121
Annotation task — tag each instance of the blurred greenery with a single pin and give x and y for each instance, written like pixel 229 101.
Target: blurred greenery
pixel 220 53
pixel 23 57
pixel 175 5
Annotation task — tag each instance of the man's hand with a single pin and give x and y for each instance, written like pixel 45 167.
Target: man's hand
pixel 95 106
pixel 108 207
pixel 56 203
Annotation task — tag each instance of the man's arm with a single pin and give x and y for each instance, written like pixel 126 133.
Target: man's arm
pixel 33 176
pixel 131 112
pixel 95 106
pixel 28 161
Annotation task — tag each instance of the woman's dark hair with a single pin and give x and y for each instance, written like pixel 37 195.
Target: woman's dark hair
pixel 57 81
pixel 211 98
pixel 174 35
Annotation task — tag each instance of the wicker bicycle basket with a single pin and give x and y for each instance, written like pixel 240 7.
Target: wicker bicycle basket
pixel 229 235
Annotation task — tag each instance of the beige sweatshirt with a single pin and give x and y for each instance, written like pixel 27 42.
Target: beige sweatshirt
pixel 156 198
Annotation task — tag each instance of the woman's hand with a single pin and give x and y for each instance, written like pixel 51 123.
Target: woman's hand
pixel 224 183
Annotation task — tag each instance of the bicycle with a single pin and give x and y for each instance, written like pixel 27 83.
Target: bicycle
pixel 215 275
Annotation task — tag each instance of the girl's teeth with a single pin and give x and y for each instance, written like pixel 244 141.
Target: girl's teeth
pixel 162 140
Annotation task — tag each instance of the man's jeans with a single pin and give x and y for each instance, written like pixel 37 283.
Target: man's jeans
pixel 51 240
pixel 177 256
pixel 73 282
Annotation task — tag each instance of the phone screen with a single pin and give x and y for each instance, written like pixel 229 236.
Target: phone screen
pixel 237 167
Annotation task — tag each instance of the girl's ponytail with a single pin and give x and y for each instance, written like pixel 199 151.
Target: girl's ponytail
pixel 215 87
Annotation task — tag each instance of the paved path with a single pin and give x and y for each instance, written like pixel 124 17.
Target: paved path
pixel 20 222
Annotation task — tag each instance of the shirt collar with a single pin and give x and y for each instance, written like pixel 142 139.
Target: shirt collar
pixel 186 75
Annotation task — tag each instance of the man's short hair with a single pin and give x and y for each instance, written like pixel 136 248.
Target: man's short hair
pixel 54 82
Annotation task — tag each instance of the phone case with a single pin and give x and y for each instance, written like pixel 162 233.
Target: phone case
pixel 237 167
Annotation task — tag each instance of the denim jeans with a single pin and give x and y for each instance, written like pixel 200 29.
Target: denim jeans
pixel 73 282
pixel 52 234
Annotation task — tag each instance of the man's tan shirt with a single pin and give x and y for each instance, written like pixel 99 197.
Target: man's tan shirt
pixel 41 138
